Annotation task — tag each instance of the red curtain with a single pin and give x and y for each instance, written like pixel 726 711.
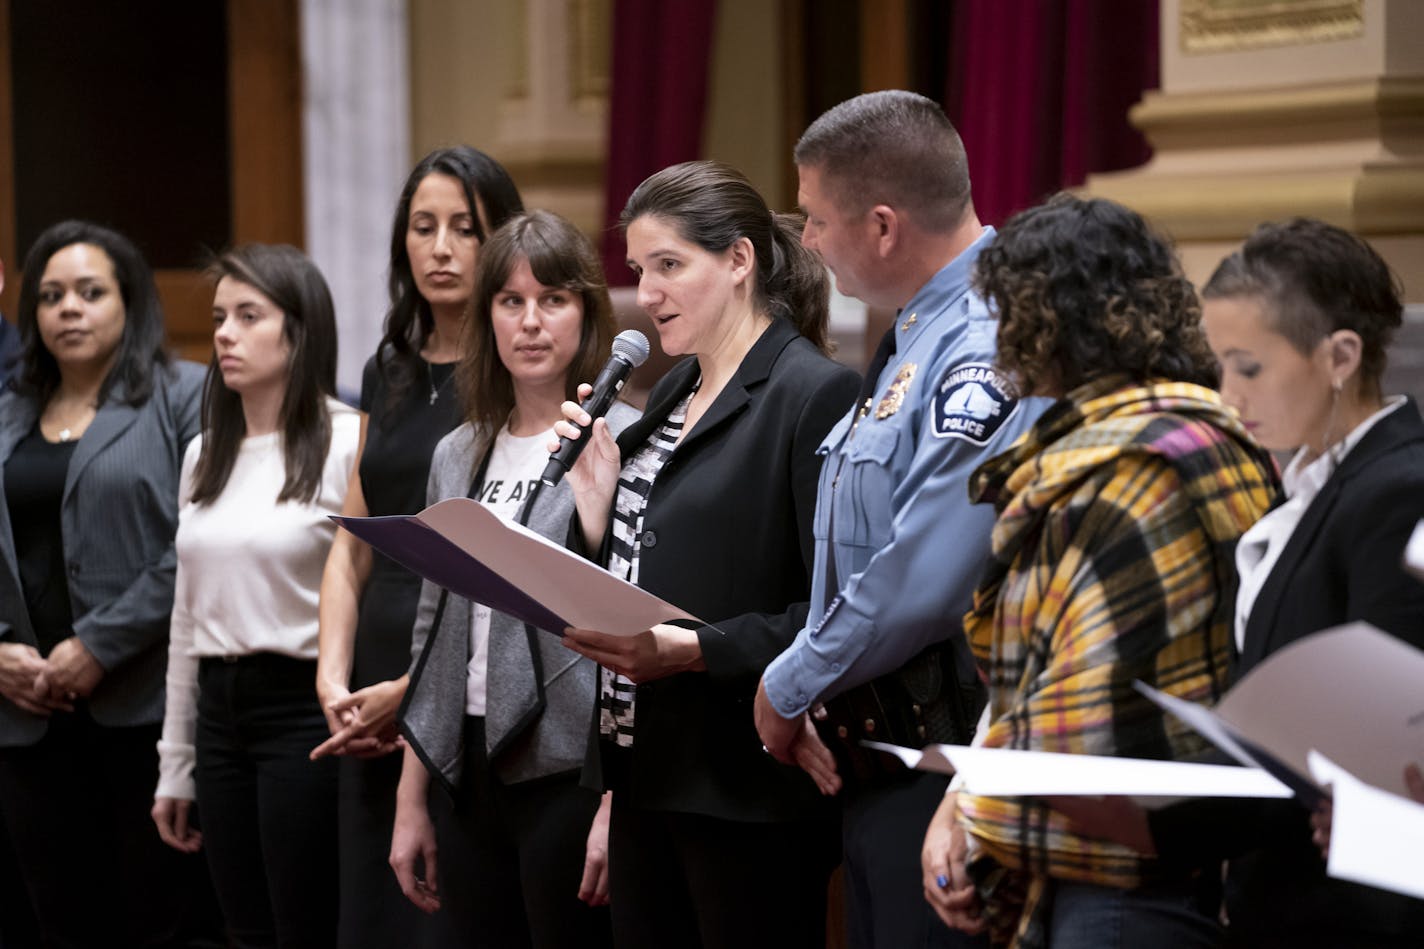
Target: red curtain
pixel 1040 89
pixel 662 54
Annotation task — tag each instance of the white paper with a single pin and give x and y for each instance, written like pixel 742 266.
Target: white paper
pixel 1007 772
pixel 1376 838
pixel 1414 552
pixel 1354 693
pixel 583 593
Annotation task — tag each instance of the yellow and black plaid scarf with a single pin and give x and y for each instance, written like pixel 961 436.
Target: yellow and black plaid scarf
pixel 1111 561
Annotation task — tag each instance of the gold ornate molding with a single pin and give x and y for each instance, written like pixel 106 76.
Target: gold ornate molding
pixel 544 168
pixel 1219 26
pixel 1213 207
pixel 517 79
pixel 590 48
pixel 1385 104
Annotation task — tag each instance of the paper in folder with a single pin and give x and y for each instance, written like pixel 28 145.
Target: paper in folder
pixel 1353 693
pixel 1376 837
pixel 460 545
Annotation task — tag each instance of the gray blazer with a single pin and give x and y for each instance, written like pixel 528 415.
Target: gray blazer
pixel 537 708
pixel 117 518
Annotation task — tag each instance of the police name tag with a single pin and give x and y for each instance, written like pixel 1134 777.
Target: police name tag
pixel 973 402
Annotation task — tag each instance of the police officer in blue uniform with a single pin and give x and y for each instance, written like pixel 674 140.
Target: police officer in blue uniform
pixel 885 186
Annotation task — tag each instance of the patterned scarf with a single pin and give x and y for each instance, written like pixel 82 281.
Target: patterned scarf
pixel 1111 561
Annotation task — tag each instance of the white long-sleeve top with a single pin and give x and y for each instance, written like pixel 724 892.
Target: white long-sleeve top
pixel 249 574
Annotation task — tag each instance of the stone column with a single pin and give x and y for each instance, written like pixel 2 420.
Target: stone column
pixel 356 154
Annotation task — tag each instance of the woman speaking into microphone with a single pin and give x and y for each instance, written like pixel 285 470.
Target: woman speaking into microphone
pixel 708 502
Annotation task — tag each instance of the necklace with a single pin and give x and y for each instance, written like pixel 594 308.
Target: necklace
pixel 76 420
pixel 430 375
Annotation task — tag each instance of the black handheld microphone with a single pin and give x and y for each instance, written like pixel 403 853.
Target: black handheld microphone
pixel 630 350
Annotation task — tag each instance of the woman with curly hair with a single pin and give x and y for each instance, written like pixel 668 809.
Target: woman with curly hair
pixel 1111 562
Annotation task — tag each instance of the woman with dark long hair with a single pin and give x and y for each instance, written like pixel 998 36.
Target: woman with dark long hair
pixel 498 712
pixel 708 501
pixel 257 491
pixel 452 201
pixel 92 432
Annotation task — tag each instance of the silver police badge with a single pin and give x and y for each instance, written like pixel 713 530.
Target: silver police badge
pixel 973 402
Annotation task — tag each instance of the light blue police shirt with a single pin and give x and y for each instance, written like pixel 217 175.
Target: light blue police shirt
pixel 909 546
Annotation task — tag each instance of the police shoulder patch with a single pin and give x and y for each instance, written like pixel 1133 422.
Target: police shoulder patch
pixel 972 402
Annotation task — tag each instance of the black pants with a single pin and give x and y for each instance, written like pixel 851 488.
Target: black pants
pixel 269 813
pixel 76 806
pixel 689 880
pixel 510 858
pixel 375 914
pixel 884 828
pixel 18 929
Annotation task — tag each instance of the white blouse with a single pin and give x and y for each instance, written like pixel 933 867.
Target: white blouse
pixel 1260 547
pixel 249 574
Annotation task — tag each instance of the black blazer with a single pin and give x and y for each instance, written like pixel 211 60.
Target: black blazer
pixel 1342 563
pixel 117 518
pixel 1344 560
pixel 727 537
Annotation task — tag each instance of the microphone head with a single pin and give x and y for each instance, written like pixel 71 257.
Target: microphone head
pixel 632 346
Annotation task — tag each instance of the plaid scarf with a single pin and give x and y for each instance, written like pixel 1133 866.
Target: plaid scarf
pixel 1118 514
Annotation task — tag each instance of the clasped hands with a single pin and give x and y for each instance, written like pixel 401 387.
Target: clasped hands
pixel 43 685
pixel 794 741
pixel 362 723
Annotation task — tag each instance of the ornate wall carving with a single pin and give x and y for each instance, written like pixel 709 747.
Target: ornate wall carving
pixel 1215 26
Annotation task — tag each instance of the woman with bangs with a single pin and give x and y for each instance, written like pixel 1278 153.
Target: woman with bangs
pixel 497 712
pixel 1117 517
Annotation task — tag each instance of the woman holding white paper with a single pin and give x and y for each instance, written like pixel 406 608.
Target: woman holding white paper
pixel 1301 318
pixel 497 711
pixel 709 503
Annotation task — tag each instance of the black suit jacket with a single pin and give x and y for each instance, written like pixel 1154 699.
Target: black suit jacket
pixel 727 537
pixel 1344 560
pixel 1342 563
